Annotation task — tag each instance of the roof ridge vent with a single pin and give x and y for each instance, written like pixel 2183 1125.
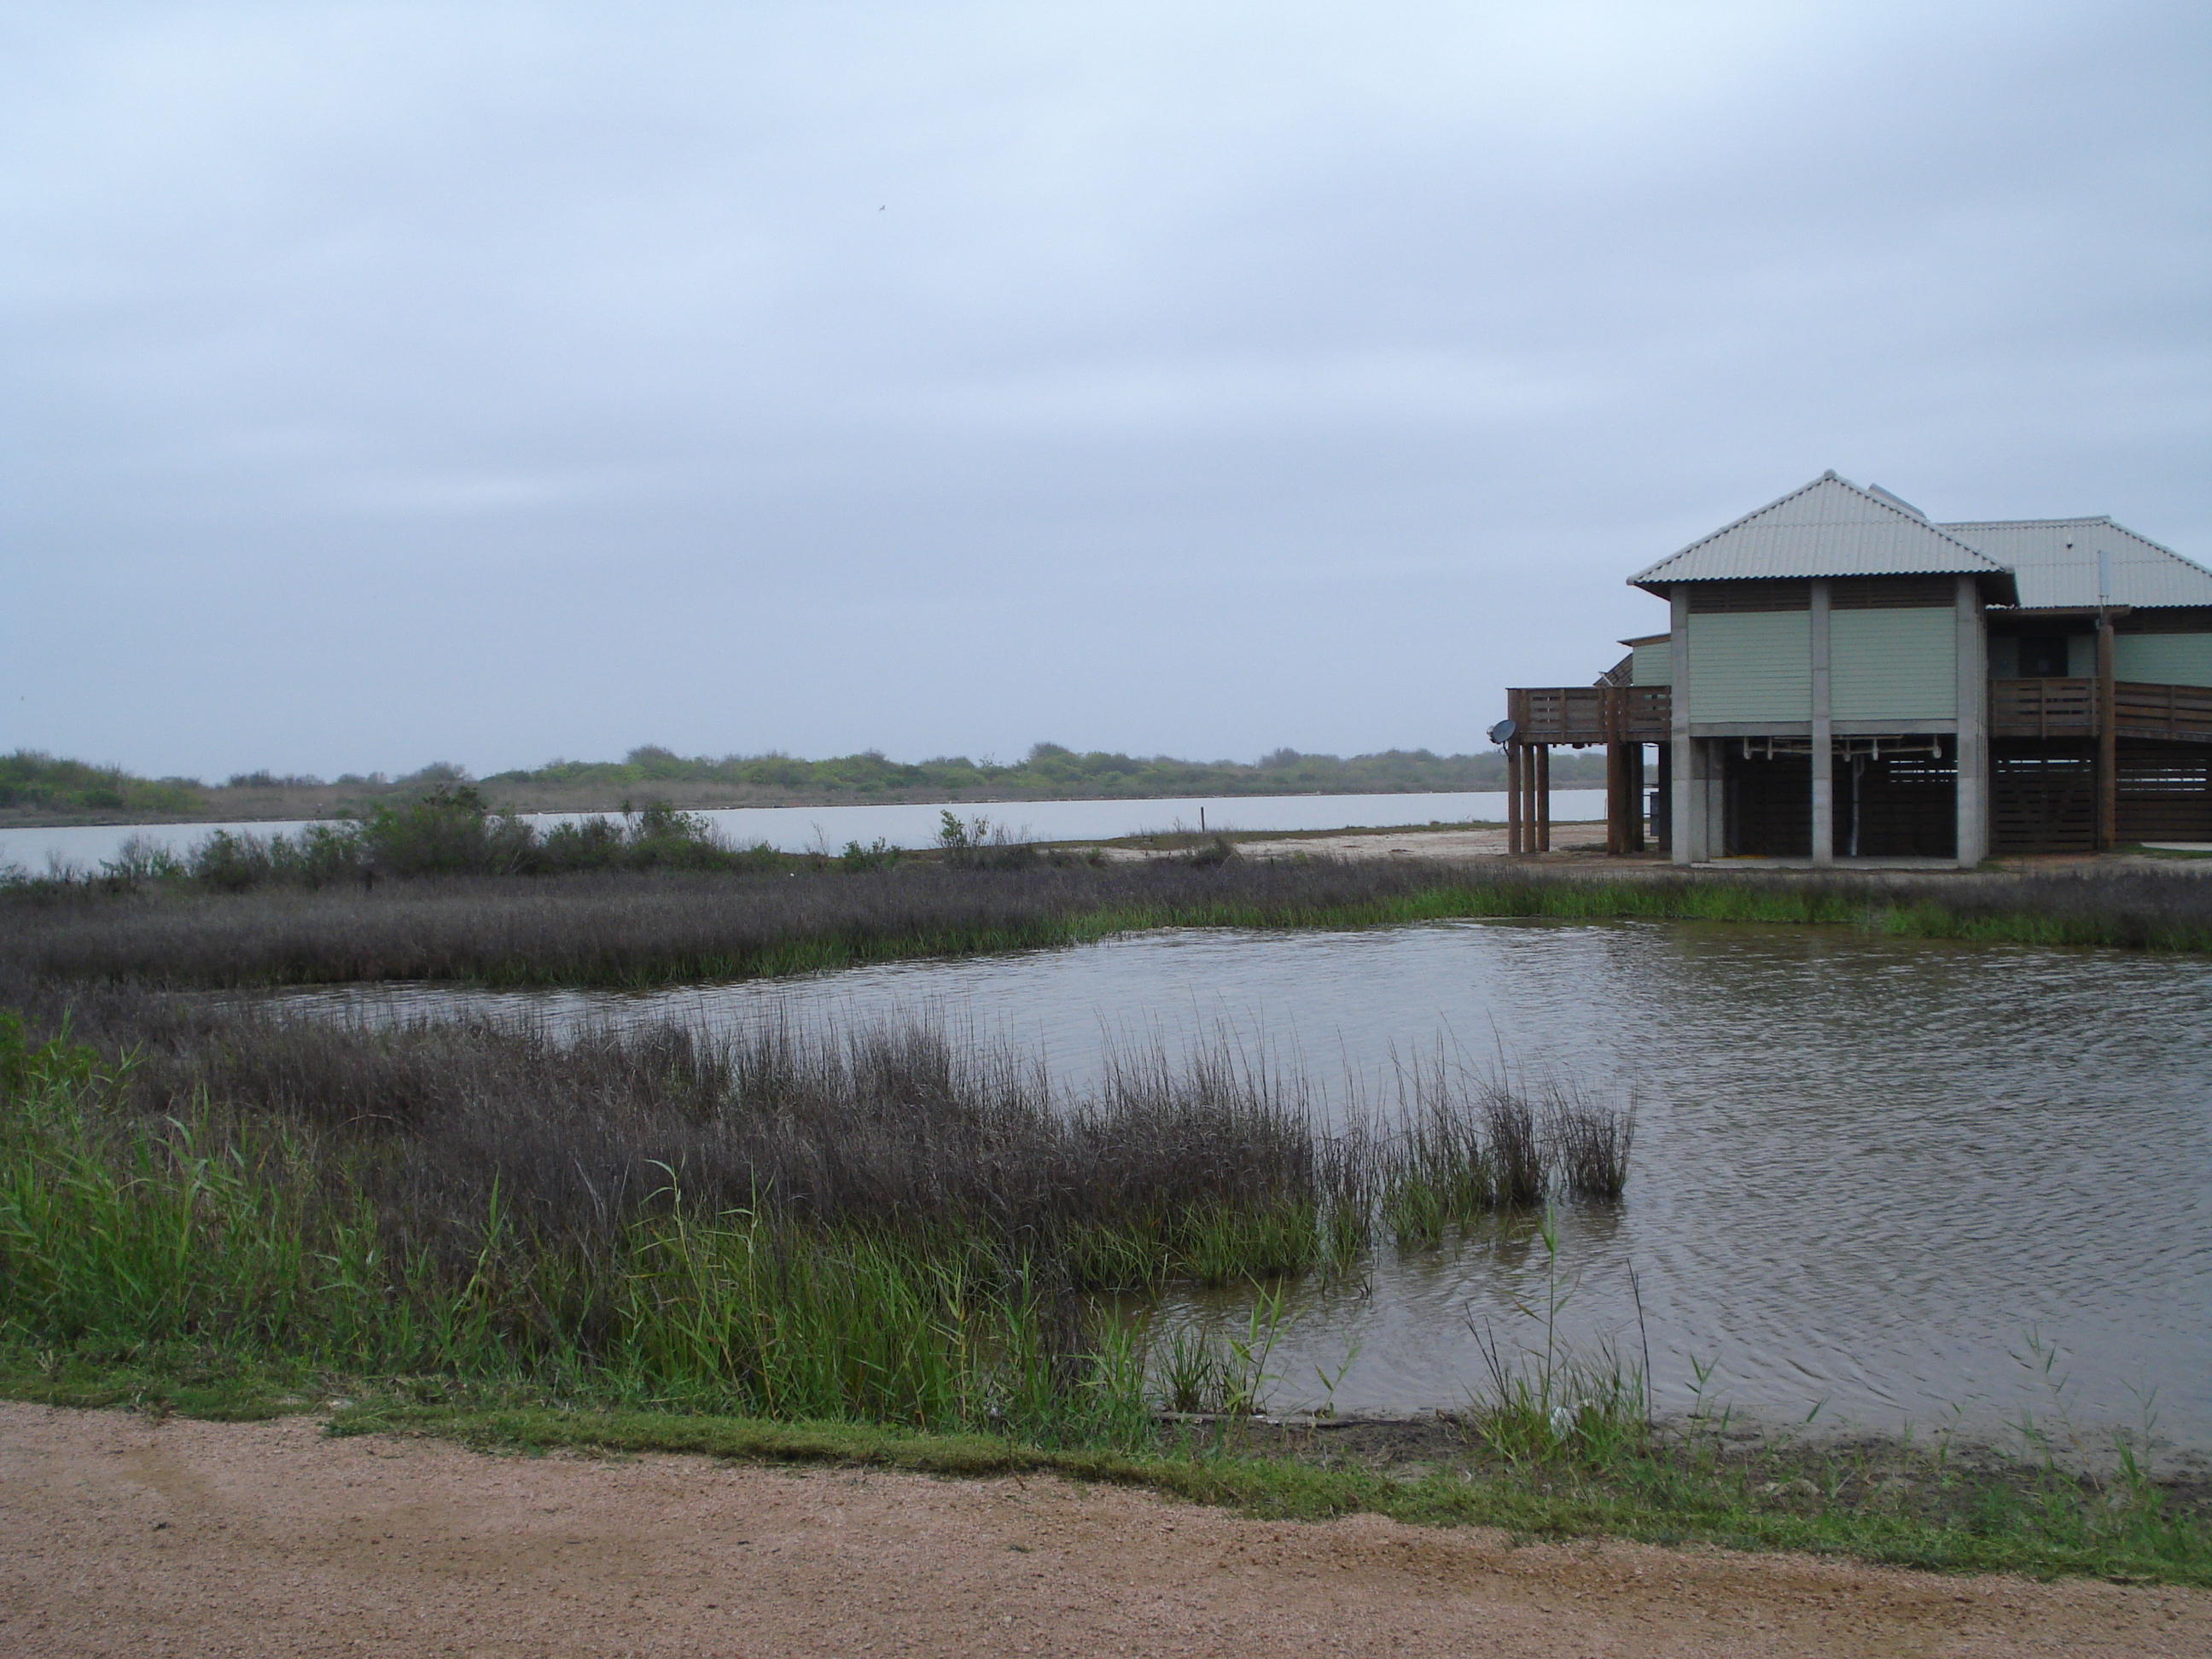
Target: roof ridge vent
pixel 1897 502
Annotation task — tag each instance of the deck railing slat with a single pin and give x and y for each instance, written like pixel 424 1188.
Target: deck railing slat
pixel 2043 708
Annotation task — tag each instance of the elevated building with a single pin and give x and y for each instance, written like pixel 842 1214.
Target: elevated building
pixel 1841 678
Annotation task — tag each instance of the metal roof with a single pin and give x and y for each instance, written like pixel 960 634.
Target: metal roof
pixel 2055 563
pixel 1831 528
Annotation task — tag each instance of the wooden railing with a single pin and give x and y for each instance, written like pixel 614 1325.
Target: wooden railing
pixel 2067 709
pixel 2043 708
pixel 1562 714
pixel 1647 713
pixel 1589 714
pixel 2018 709
pixel 2176 713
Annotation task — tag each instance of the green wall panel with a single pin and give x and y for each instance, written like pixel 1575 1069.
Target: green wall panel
pixel 2163 658
pixel 1654 664
pixel 1752 666
pixel 1893 665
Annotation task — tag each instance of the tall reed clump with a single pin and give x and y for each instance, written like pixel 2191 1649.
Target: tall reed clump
pixel 878 1226
pixel 1461 1144
pixel 125 1236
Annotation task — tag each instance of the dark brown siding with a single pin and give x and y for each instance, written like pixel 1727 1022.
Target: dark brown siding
pixel 1893 593
pixel 1709 599
pixel 2166 619
pixel 2043 797
pixel 2165 795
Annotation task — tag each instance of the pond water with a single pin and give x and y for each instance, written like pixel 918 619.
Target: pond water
pixel 1896 1180
pixel 800 828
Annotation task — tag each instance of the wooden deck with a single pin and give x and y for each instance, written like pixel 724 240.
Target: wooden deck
pixel 2067 709
pixel 2043 708
pixel 2164 713
pixel 1583 715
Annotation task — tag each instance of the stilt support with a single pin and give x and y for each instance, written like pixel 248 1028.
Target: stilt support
pixel 1513 798
pixel 1541 802
pixel 2108 742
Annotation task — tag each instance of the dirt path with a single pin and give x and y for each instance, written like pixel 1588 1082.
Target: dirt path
pixel 120 1536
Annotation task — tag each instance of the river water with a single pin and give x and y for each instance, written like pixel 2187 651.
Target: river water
pixel 803 828
pixel 1876 1182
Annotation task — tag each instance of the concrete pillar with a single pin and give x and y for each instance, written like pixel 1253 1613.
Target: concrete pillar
pixel 1974 742
pixel 1824 748
pixel 2108 742
pixel 1687 805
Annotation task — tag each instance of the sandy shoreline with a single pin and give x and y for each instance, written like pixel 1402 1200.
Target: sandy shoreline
pixel 122 1536
pixel 1415 841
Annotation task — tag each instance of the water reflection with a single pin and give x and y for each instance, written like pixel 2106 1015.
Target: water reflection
pixel 1870 1174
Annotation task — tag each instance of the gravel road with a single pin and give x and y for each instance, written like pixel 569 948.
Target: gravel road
pixel 119 1535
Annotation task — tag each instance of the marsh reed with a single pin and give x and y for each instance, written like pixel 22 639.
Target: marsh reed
pixel 637 927
pixel 881 1223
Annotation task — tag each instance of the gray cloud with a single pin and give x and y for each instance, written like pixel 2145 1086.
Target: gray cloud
pixel 494 381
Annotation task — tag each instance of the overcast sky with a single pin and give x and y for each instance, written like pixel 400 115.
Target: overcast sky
pixel 384 383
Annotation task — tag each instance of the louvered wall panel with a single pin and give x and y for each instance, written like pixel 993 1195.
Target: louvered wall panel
pixel 2164 658
pixel 1756 665
pixel 1893 664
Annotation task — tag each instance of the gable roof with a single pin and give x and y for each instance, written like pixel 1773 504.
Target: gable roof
pixel 1831 528
pixel 2056 564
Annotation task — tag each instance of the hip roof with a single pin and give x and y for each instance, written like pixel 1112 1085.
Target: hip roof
pixel 2056 563
pixel 1830 527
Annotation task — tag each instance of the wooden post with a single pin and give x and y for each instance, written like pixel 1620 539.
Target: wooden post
pixel 2108 742
pixel 1635 797
pixel 1664 819
pixel 1617 799
pixel 1527 797
pixel 1513 798
pixel 1542 803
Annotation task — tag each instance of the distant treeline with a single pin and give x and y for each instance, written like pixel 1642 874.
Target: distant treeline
pixel 35 785
pixel 34 781
pixel 1049 771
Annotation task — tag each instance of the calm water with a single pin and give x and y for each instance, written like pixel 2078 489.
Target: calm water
pixel 1885 1178
pixel 798 829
